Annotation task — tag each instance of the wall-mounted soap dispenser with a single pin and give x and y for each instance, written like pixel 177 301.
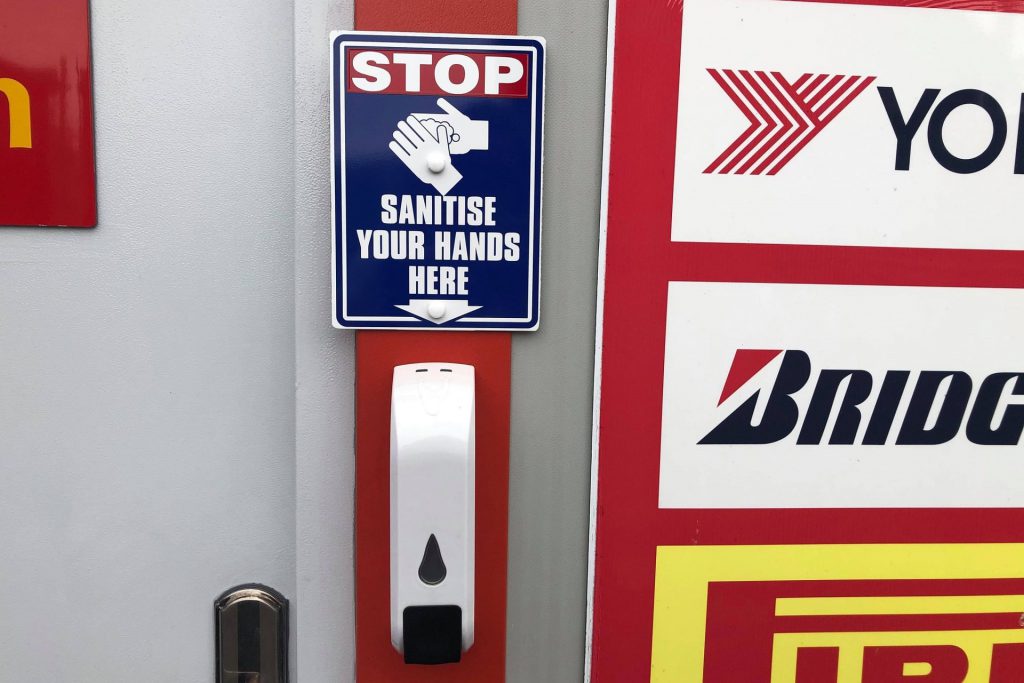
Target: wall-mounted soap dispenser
pixel 433 512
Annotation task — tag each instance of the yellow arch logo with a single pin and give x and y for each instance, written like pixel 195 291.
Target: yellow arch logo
pixel 20 112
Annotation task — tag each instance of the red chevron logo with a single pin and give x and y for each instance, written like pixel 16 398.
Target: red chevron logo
pixel 784 117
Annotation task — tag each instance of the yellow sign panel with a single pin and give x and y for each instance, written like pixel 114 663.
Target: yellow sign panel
pixel 685 574
pixel 977 647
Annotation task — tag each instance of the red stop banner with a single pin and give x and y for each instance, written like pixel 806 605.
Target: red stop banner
pixel 47 167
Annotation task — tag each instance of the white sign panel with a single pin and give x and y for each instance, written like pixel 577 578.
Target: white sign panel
pixel 832 124
pixel 825 396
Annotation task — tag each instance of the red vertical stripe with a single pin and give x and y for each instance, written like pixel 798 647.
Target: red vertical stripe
pixel 438 16
pixel 377 353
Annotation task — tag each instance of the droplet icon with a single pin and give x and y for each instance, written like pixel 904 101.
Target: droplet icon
pixel 432 569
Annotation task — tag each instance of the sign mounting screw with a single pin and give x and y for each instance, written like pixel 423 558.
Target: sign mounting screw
pixel 436 309
pixel 437 161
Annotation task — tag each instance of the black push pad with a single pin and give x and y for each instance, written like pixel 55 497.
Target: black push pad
pixel 432 634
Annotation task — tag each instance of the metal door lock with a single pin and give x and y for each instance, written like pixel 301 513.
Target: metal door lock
pixel 252 635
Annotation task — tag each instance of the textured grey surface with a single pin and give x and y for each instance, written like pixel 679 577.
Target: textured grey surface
pixel 552 370
pixel 146 366
pixel 325 375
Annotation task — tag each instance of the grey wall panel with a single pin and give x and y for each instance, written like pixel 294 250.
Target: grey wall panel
pixel 325 375
pixel 552 380
pixel 146 366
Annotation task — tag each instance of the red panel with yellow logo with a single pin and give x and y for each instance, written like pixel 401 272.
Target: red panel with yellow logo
pixel 47 157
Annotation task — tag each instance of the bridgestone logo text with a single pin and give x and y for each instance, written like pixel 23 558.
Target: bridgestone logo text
pixel 938 402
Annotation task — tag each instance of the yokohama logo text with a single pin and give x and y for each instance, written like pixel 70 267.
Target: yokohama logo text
pixel 784 117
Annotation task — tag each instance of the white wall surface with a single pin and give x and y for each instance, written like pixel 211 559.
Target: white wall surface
pixel 176 412
pixel 147 374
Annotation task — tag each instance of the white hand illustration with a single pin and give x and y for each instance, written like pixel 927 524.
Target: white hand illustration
pixel 426 153
pixel 466 134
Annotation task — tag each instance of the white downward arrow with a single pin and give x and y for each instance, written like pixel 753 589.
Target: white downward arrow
pixel 438 311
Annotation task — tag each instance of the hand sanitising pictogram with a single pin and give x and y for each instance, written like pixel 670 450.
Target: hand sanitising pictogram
pixel 426 142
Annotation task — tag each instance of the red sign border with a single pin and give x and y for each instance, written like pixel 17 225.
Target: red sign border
pixel 637 267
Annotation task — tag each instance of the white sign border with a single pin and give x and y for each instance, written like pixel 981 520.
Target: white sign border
pixel 536 180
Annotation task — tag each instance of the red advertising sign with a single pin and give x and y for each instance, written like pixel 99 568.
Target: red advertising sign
pixel 810 415
pixel 47 158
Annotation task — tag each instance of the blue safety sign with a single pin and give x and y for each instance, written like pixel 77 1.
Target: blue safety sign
pixel 437 147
